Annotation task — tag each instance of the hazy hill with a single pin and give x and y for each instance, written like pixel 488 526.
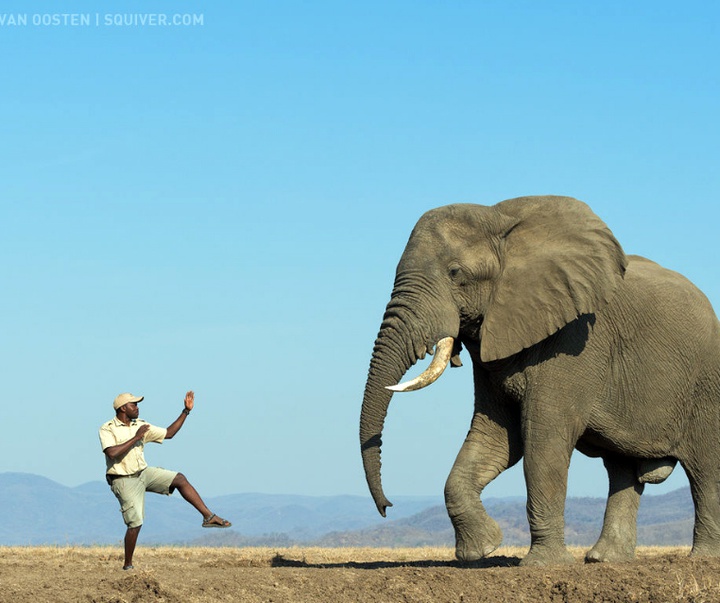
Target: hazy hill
pixel 663 520
pixel 40 511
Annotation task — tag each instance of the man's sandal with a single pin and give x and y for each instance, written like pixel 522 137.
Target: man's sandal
pixel 209 523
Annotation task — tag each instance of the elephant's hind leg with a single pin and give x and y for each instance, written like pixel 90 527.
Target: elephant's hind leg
pixel 619 533
pixel 492 445
pixel 704 484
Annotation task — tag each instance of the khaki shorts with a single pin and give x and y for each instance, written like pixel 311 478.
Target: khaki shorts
pixel 130 491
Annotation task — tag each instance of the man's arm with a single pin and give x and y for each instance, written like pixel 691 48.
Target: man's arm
pixel 120 450
pixel 178 423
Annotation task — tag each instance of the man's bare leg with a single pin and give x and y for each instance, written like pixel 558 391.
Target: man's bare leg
pixel 131 536
pixel 190 494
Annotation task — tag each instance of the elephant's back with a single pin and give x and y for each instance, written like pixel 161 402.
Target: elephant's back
pixel 662 327
pixel 665 294
pixel 661 344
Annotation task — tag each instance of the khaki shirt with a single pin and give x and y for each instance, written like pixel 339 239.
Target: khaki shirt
pixel 115 432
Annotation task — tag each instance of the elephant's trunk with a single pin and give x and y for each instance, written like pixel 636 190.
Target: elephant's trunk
pixel 405 336
pixel 372 419
pixel 390 361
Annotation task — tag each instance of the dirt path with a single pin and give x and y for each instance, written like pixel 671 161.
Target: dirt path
pixel 192 575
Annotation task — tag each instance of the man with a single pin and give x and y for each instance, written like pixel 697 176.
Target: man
pixel 129 476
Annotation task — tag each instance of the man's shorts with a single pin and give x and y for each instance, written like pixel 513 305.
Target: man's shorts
pixel 130 491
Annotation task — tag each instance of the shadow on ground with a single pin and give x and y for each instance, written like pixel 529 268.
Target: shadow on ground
pixel 489 562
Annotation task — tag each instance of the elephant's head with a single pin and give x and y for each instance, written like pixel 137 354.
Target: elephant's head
pixel 505 276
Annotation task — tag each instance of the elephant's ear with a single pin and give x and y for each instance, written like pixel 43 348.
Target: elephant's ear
pixel 558 262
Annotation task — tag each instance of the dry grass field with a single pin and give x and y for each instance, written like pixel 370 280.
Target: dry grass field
pixel 299 575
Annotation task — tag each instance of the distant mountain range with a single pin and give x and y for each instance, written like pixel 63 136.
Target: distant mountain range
pixel 38 511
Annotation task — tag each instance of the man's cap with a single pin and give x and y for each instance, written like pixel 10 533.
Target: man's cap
pixel 123 399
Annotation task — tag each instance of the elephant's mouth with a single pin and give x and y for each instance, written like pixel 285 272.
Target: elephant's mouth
pixel 447 350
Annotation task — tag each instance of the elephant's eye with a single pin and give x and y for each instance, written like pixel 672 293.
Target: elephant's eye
pixel 456 274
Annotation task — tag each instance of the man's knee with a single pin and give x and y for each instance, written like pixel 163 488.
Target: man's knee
pixel 178 482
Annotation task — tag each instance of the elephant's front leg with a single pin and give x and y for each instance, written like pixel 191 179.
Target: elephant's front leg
pixel 492 445
pixel 619 533
pixel 548 438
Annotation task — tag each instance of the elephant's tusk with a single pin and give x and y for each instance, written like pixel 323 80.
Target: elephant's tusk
pixel 440 360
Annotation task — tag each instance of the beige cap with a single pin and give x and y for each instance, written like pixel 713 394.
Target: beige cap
pixel 123 399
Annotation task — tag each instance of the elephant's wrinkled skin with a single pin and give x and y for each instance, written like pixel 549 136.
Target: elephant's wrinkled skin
pixel 573 345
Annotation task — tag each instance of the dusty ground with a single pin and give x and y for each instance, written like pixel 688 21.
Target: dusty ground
pixel 192 575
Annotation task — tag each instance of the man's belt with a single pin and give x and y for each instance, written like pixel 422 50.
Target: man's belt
pixel 111 478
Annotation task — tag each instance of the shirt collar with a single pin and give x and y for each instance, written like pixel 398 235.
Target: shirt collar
pixel 118 423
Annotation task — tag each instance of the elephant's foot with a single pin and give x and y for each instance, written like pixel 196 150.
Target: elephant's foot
pixel 547 555
pixel 705 550
pixel 706 537
pixel 606 551
pixel 475 537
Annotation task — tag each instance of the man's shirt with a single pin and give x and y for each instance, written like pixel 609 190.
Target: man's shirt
pixel 115 432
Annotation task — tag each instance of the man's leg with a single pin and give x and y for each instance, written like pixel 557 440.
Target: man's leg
pixel 130 492
pixel 163 481
pixel 190 494
pixel 131 536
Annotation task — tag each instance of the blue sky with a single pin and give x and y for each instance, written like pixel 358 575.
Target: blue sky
pixel 222 206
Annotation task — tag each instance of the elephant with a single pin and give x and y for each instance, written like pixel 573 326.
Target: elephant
pixel 574 345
